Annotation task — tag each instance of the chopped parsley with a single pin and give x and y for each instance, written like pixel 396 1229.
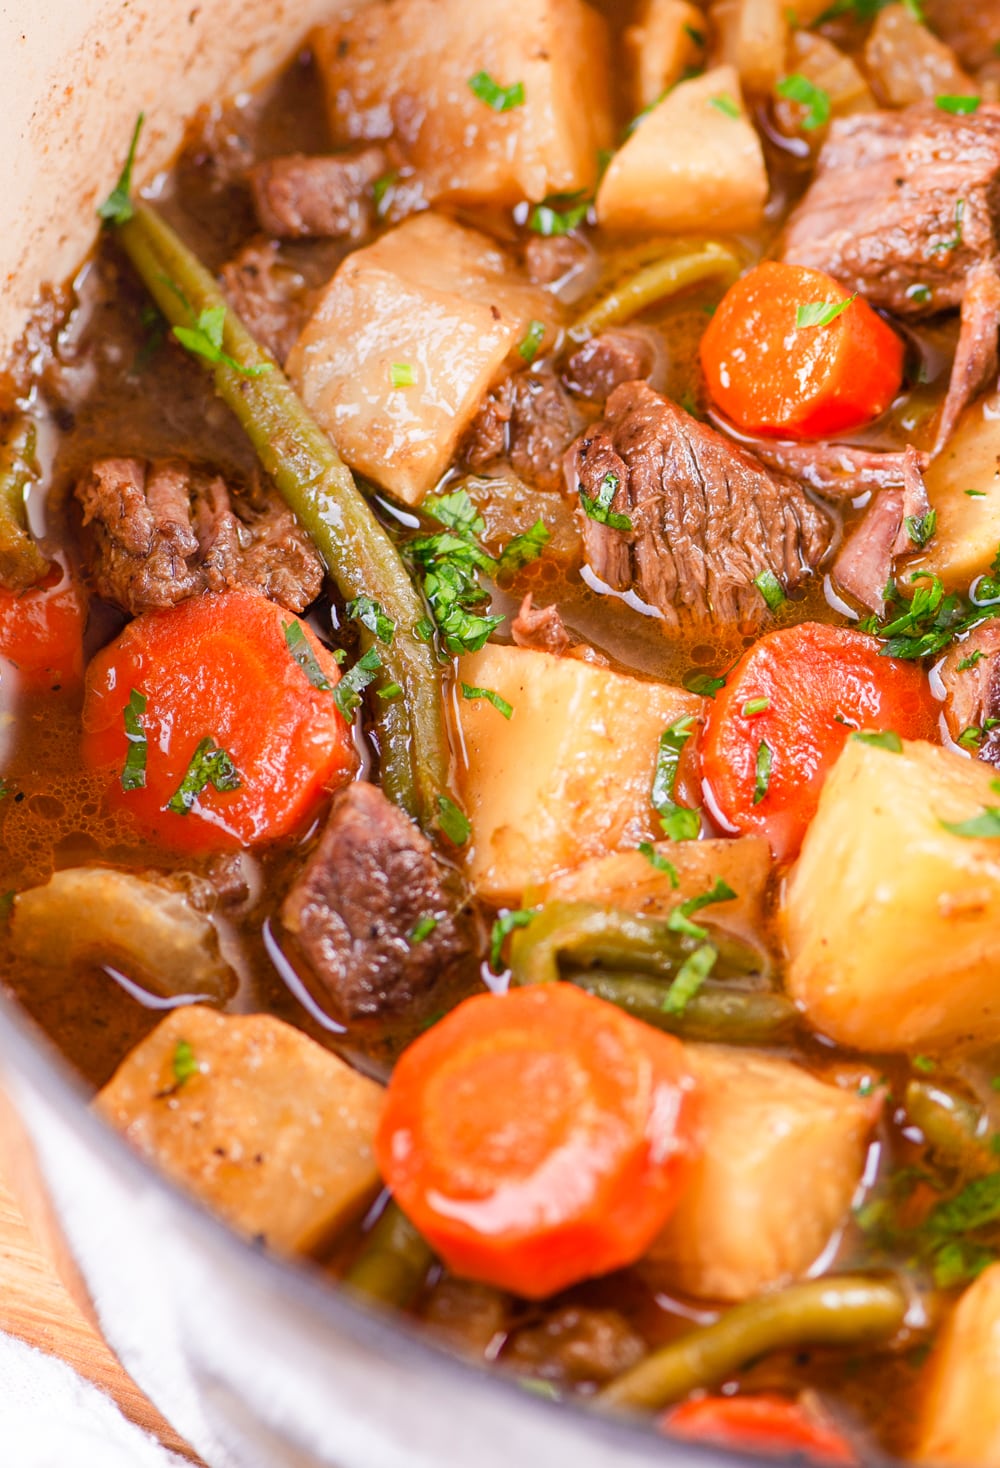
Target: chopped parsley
pixel 134 771
pixel 693 34
pixel 880 739
pixel 770 589
pixel 402 374
pixel 422 929
pixel 117 207
pixel 370 614
pixel 689 979
pixel 347 694
pixel 822 313
pixel 204 339
pixel 560 213
pixel 958 106
pixel 984 827
pixel 453 821
pixel 659 863
pixel 944 246
pixel 762 772
pixel 507 923
pixel 920 528
pixel 919 293
pixel 754 706
pixel 184 1063
pixel 816 100
pixel 491 696
pixel 528 350
pixel 929 621
pixel 522 549
pixel 971 660
pixel 678 822
pixel 209 765
pixel 924 1064
pixel 598 507
pixel 704 684
pixel 390 690
pixel 383 190
pixel 298 645
pixel 679 920
pixel 726 104
pixel 496 97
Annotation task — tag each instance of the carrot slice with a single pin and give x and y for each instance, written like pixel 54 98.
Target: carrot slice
pixel 774 1426
pixel 790 353
pixel 213 734
pixel 784 715
pixel 539 1137
pixel 41 631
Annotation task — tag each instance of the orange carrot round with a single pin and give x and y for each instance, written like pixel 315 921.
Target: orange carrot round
pixel 786 711
pixel 41 631
pixel 774 1426
pixel 212 733
pixel 791 353
pixel 539 1137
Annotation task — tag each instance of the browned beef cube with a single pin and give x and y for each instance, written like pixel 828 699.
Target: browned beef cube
pixel 329 196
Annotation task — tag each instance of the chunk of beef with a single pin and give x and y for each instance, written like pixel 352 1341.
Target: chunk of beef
pixel 371 880
pixel 706 517
pixel 866 560
pixel 838 470
pixel 329 197
pixel 977 359
pixel 469 1317
pixel 971 677
pixel 551 259
pixel 543 629
pixel 270 298
pixel 903 205
pixel 606 361
pixel 576 1344
pixel 159 533
pixel 529 419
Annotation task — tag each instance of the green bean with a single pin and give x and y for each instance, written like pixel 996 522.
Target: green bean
pixel 717 1014
pixel 603 935
pixel 955 1129
pixel 394 1262
pixel 21 562
pixel 655 282
pixel 318 486
pixel 852 1310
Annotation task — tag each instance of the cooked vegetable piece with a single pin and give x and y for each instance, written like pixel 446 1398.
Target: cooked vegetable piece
pixel 693 163
pixel 719 1014
pixel 963 485
pixel 41 631
pixel 666 40
pixel 317 486
pixel 906 62
pixel 442 301
pixel 488 1113
pixel 753 35
pixel 269 1130
pixel 848 1310
pixel 783 1157
pixel 822 683
pixel 773 1426
pixel 407 70
pixel 240 743
pixel 919 901
pixel 21 562
pixel 394 1262
pixel 834 77
pixel 654 283
pixel 148 929
pixel 960 1396
pixel 791 353
pixel 954 1128
pixel 569 776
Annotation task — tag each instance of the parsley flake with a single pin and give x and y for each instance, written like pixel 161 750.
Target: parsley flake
pixel 679 920
pixel 453 821
pixel 529 347
pixel 422 929
pixel 560 213
pixel 496 97
pixel 347 694
pixel 489 694
pixel 770 589
pixel 822 313
pixel 598 507
pixel 383 190
pixel 184 1063
pixel 944 246
pixel 725 103
pixel 402 374
pixel 920 528
pixel 204 339
pixel 762 772
pixel 816 100
pixel 703 684
pixel 209 765
pixel 678 822
pixel 689 979
pixel 370 614
pixel 133 775
pixel 984 827
pixel 298 645
pixel 507 923
pixel 958 106
pixel 754 706
pixel 880 739
pixel 117 207
pixel 971 660
pixel 522 549
pixel 659 863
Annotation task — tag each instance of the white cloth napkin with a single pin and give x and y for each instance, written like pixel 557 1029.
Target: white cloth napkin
pixel 52 1418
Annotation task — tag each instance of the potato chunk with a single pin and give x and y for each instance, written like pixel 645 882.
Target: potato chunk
pixel 569 776
pixel 893 921
pixel 963 485
pixel 960 1405
pixel 271 1131
pixel 404 343
pixel 906 62
pixel 667 38
pixel 401 69
pixel 783 1157
pixel 694 163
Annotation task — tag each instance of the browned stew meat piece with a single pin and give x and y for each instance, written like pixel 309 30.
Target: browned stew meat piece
pixel 270 298
pixel 300 197
pixel 540 628
pixel 576 1344
pixel 370 882
pixel 159 533
pixel 549 259
pixel 840 470
pixel 866 561
pixel 529 419
pixel 977 359
pixel 903 205
pixel 707 517
pixel 606 361
pixel 971 677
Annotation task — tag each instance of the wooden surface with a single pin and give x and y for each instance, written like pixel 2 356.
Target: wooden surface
pixel 42 1299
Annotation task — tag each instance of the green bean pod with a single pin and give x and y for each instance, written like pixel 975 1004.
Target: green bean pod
pixel 394 1263
pixel 656 282
pixel 21 562
pixel 852 1310
pixel 318 486
pixel 955 1129
pixel 716 1015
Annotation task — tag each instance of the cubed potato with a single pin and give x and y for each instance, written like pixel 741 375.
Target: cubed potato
pixel 441 302
pixel 402 68
pixel 271 1131
pixel 628 880
pixel 667 38
pixel 569 776
pixel 893 922
pixel 830 69
pixel 907 63
pixel 960 1401
pixel 783 1156
pixel 963 485
pixel 694 163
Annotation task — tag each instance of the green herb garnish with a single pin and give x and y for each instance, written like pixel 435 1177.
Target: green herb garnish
pixel 496 97
pixel 659 863
pixel 770 589
pixel 491 696
pixel 762 772
pixel 528 349
pixel 184 1063
pixel 347 694
pixel 453 821
pixel 920 528
pixel 134 771
pixel 703 684
pixel 971 660
pixel 689 979
pixel 209 765
pixel 560 213
pixel 402 374
pixel 117 207
pixel 956 240
pixel 506 924
pixel 370 614
pixel 522 549
pixel 880 739
pixel 679 920
pixel 422 929
pixel 679 822
pixel 816 100
pixel 821 313
pixel 298 645
pixel 598 507
pixel 984 827
pixel 754 706
pixel 725 104
pixel 958 106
